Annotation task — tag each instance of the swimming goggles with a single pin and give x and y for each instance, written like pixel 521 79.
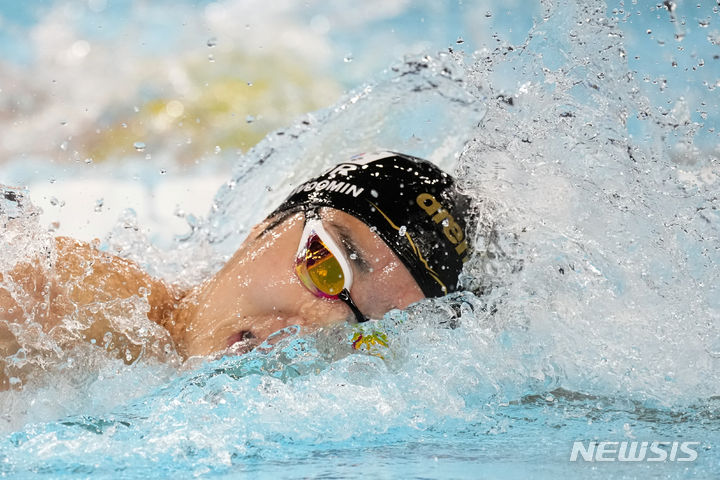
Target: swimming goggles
pixel 321 266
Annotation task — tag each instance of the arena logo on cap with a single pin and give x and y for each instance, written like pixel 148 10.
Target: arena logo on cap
pixel 452 229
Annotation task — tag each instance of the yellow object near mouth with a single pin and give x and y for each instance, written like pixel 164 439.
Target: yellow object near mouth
pixel 371 343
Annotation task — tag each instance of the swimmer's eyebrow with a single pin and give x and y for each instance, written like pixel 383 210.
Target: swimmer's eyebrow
pixel 276 221
pixel 350 247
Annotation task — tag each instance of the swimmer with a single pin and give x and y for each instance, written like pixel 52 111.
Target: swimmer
pixel 378 232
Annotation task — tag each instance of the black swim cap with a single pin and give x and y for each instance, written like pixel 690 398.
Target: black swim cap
pixel 409 202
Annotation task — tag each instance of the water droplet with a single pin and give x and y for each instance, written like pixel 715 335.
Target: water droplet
pixel 88 160
pixel 217 149
pixel 163 171
pixel 99 204
pixel 64 146
pixel 353 256
pixel 648 31
pixel 80 49
pixel 249 119
pixel 136 108
pixel 704 23
pixel 139 146
pixel 488 14
pixel 123 125
pixel 713 348
pixel 249 84
pixel 374 193
pixel 445 222
pixel 348 58
pixel 63 123
pixel 211 58
pixel 212 42
pixel 97 6
pixel 148 156
pixel 174 108
pixel 459 41
pixel 320 24
pixel 402 231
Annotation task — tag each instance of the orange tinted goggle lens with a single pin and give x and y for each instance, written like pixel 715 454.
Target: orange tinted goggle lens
pixel 319 270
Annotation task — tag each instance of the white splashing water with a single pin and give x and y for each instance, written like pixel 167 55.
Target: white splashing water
pixel 598 249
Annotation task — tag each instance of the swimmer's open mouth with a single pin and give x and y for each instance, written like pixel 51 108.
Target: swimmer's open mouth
pixel 242 342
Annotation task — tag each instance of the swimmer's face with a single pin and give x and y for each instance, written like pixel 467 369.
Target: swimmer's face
pixel 257 292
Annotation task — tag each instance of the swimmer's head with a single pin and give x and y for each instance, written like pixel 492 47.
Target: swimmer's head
pixel 409 202
pixel 376 233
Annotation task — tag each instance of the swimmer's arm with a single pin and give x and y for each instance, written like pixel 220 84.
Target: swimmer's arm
pixel 24 284
pixel 90 276
pixel 8 345
pixel 87 276
pixel 81 276
pixel 81 279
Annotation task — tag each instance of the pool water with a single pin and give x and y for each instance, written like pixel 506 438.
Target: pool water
pixel 595 313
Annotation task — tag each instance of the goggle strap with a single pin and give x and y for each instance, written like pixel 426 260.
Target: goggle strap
pixel 344 295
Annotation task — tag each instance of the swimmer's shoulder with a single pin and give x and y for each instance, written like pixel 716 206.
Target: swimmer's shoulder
pixel 90 275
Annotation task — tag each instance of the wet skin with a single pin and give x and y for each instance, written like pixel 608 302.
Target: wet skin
pixel 255 294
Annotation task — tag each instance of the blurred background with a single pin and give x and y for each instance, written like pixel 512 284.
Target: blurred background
pixel 113 104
